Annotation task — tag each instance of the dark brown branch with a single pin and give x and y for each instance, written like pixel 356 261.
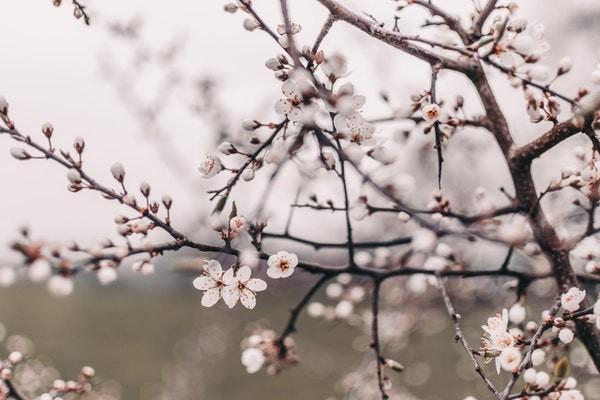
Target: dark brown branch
pixel 375 344
pixel 392 38
pixel 460 337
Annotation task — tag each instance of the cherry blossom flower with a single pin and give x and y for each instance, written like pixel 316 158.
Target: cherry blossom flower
pixel 117 171
pixel 510 358
pixel 542 379
pixel 39 270
pixel 596 75
pixel 238 224
pixel 144 267
pixel 497 339
pixel 347 101
pixel 517 313
pixel 60 286
pixel 281 265
pixel 210 166
pixel 334 67
pixel 431 113
pixel 353 127
pixel 566 335
pixel 253 359
pixel 294 28
pixel 571 299
pixel 529 376
pixel 107 274
pixel 211 282
pixel 289 106
pixel 538 357
pixel 239 286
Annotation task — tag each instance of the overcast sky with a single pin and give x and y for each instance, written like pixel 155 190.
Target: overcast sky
pixel 50 71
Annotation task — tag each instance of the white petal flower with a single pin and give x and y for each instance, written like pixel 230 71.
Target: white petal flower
pixel 510 358
pixel 60 286
pixel 210 166
pixel 517 313
pixel 542 379
pixel 238 224
pixel 211 283
pixel 281 265
pixel 538 357
pixel 117 171
pixel 253 359
pixel 572 298
pixel 39 270
pixel 107 275
pixel 596 76
pixel 239 286
pixel 566 335
pixel 431 113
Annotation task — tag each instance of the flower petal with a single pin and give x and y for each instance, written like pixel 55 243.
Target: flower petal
pixel 283 106
pixel 204 282
pixel 274 272
pixel 228 277
pixel 214 269
pixel 295 114
pixel 211 297
pixel 243 274
pixel 290 90
pixel 230 295
pixel 248 299
pixel 256 285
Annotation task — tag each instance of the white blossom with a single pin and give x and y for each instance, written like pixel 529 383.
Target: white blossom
pixel 239 286
pixel 510 358
pixel 19 153
pixel 238 224
pixel 529 376
pixel 289 105
pixel 211 282
pixel 281 264
pixel 210 166
pixel 431 113
pixel 250 24
pixel 542 379
pixel 565 335
pixel 353 127
pixel 538 357
pixel 571 299
pixel 39 270
pixel 517 313
pixel 596 76
pixel 117 171
pixel 107 275
pixel 423 240
pixel 143 266
pixel 15 357
pixel 74 176
pixel 60 286
pixel 253 359
pixel 344 309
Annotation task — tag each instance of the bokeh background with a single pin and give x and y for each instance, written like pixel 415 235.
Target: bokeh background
pixel 155 85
